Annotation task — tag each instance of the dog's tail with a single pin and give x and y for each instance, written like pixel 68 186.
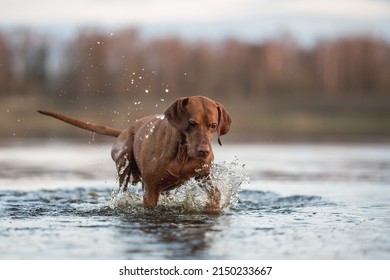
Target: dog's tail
pixel 100 129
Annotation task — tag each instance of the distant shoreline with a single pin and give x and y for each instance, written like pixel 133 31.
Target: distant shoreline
pixel 252 120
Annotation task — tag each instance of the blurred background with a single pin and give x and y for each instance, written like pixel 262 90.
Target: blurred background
pixel 294 70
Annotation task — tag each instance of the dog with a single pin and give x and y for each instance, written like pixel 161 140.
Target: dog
pixel 164 151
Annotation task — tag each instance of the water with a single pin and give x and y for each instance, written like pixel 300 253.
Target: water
pixel 60 201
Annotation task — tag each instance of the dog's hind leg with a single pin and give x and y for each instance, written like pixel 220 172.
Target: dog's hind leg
pixel 123 168
pixel 122 154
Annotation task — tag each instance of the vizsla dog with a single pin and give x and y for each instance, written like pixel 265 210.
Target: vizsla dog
pixel 164 151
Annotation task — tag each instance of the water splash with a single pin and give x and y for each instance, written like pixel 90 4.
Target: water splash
pixel 191 196
pixel 123 168
pixel 126 202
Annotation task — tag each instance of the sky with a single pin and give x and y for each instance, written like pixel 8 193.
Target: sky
pixel 307 20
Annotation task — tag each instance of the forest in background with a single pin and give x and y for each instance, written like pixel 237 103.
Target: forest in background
pixel 275 89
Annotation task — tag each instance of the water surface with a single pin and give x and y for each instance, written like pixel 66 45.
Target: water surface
pixel 296 201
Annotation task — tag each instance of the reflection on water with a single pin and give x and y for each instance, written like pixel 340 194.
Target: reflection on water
pixel 60 201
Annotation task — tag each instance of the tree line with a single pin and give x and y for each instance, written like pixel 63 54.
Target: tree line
pixel 95 64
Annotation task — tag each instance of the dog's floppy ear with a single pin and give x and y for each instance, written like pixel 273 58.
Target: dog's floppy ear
pixel 177 114
pixel 224 121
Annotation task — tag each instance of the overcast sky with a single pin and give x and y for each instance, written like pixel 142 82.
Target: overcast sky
pixel 247 19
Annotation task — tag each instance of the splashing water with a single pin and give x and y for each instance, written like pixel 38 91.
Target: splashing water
pixel 191 196
pixel 123 168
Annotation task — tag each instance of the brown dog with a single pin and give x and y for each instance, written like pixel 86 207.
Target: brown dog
pixel 164 151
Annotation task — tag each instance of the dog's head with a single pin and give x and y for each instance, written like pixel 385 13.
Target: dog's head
pixel 198 117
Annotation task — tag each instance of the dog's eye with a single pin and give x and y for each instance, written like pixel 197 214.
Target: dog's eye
pixel 192 125
pixel 213 126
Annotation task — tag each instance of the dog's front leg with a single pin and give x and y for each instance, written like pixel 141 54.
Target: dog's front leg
pixel 150 197
pixel 213 195
pixel 214 199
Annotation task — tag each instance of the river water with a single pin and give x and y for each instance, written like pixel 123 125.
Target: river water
pixel 60 200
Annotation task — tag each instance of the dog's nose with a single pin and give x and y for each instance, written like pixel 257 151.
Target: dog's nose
pixel 203 153
pixel 203 150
